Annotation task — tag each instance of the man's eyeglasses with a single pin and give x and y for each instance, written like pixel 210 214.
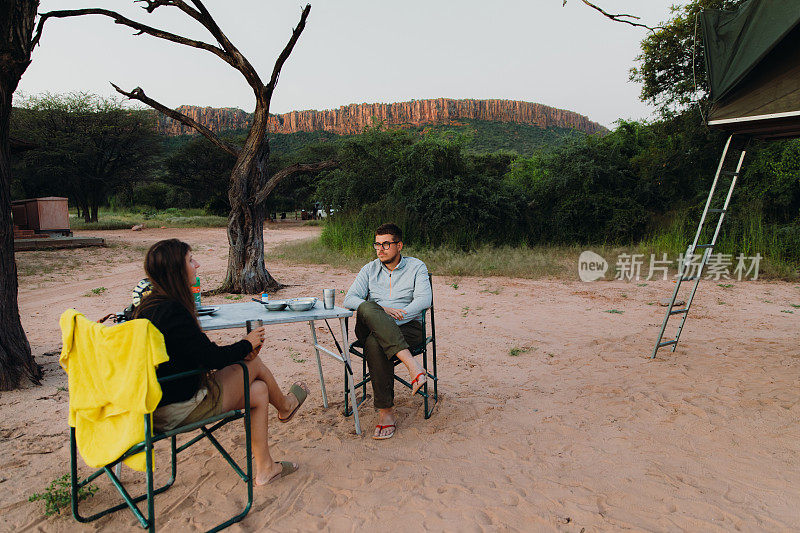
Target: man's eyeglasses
pixel 383 245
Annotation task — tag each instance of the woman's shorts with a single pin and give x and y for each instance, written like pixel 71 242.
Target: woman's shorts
pixel 207 402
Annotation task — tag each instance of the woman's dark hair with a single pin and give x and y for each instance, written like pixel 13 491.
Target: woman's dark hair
pixel 165 266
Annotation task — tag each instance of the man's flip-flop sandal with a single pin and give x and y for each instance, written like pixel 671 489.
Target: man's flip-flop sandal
pixel 416 380
pixel 381 428
pixel 287 468
pixel 301 395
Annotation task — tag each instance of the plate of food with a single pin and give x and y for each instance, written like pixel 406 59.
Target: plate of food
pixel 207 310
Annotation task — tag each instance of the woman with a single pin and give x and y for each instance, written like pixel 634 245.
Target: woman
pixel 170 307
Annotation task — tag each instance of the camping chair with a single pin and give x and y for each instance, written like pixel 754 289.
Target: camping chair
pixel 146 446
pixel 429 397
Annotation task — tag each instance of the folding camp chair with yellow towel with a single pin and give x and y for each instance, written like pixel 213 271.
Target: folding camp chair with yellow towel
pixel 113 391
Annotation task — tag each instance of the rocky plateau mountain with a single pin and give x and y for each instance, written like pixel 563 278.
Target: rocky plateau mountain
pixel 354 118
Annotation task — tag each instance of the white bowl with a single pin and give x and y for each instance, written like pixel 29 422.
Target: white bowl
pixel 301 304
pixel 275 305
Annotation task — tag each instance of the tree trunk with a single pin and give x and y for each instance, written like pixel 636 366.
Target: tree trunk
pixel 87 215
pixel 16 359
pixel 94 212
pixel 247 272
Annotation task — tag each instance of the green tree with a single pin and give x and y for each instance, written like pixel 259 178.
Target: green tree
pixel 86 147
pixel 441 194
pixel 671 66
pixel 202 172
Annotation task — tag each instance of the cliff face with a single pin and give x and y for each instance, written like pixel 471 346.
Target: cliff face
pixel 353 118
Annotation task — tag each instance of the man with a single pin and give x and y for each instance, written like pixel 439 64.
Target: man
pixel 389 295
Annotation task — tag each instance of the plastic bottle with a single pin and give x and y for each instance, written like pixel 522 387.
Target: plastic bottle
pixel 196 291
pixel 264 297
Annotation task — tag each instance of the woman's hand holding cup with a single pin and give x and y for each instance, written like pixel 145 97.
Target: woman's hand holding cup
pixel 256 339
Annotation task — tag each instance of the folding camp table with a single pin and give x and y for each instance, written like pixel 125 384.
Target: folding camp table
pixel 236 315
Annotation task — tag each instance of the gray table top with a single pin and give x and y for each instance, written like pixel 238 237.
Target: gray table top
pixel 235 315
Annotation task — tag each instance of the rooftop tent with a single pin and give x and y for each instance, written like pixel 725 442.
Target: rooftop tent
pixel 753 64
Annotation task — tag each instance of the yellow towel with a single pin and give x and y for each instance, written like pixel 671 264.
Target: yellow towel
pixel 112 384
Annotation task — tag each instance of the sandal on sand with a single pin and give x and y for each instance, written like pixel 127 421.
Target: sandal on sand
pixel 381 428
pixel 420 383
pixel 287 467
pixel 301 394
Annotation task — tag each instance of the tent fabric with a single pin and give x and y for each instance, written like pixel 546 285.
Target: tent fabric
pixel 737 41
pixel 767 102
pixel 753 64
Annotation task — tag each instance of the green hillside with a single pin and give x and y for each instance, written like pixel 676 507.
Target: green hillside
pixel 481 137
pixel 485 136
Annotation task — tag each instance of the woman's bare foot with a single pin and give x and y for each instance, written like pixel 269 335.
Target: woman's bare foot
pixel 292 403
pixel 275 472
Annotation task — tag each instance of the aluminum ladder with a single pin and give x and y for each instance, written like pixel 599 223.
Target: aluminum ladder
pixel 688 264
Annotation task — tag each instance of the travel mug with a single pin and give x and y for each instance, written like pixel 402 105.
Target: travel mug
pixel 328 298
pixel 253 324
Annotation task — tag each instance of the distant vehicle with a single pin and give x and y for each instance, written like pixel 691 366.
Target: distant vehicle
pixel 320 211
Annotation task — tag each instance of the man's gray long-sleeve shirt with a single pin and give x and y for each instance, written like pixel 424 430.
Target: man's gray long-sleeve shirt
pixel 406 287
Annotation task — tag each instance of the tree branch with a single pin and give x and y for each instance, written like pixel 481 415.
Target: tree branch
pixel 138 94
pixel 621 17
pixel 291 170
pixel 202 15
pixel 276 71
pixel 141 28
pixel 152 5
pixel 199 13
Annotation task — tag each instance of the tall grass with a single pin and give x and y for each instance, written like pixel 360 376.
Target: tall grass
pixel 745 234
pixel 171 218
pixel 346 245
pixel 355 231
pixel 507 261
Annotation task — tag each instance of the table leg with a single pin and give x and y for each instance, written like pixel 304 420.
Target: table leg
pixel 349 377
pixel 319 364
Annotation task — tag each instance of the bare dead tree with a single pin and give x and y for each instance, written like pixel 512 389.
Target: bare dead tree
pixel 620 17
pixel 249 184
pixel 17 20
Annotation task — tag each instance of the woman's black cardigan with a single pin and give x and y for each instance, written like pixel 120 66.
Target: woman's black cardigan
pixel 188 348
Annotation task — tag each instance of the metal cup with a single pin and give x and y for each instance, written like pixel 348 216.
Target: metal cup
pixel 328 298
pixel 253 324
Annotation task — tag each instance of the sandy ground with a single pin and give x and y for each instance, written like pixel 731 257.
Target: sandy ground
pixel 580 431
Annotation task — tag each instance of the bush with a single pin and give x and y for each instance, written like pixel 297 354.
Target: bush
pixel 434 190
pixel 57 495
pixel 155 195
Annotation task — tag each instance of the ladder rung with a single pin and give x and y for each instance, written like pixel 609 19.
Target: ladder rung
pixel 679 311
pixel 692 278
pixel 730 173
pixel 717 210
pixel 661 344
pixel 704 246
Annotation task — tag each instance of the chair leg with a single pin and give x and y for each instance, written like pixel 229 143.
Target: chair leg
pixel 435 373
pixel 148 455
pixel 73 471
pixel 347 410
pixel 364 379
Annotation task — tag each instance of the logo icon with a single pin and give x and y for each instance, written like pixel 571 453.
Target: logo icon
pixel 591 266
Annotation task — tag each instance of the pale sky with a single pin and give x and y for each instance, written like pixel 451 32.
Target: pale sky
pixel 355 51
